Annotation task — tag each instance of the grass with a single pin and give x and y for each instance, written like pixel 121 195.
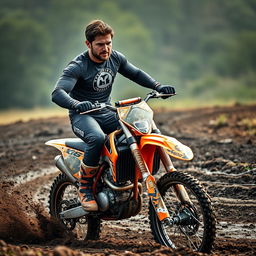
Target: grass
pixel 249 124
pixel 220 121
pixel 188 103
pixel 15 115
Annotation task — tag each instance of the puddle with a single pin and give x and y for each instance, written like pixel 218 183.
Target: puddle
pixel 224 229
pixel 32 175
pixel 236 230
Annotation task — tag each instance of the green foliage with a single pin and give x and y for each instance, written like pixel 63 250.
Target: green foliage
pixel 206 48
pixel 23 61
pixel 220 121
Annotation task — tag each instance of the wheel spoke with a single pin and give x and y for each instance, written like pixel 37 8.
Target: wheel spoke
pixel 191 243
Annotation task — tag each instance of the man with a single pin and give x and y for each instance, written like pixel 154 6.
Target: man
pixel 87 79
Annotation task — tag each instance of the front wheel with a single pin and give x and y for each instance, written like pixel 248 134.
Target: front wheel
pixel 63 196
pixel 198 225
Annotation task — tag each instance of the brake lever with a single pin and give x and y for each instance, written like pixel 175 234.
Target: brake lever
pixel 154 94
pixel 150 95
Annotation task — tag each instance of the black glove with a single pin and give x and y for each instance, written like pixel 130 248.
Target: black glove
pixel 84 106
pixel 165 89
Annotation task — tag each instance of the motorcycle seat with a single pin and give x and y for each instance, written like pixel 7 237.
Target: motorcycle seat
pixel 75 143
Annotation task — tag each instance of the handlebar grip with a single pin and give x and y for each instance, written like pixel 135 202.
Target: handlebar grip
pixel 128 101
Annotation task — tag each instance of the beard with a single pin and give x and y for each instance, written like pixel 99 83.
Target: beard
pixel 102 56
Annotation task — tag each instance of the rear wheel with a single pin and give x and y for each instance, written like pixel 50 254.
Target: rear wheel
pixel 196 226
pixel 63 196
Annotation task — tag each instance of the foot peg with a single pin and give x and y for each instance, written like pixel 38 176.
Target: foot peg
pixel 72 213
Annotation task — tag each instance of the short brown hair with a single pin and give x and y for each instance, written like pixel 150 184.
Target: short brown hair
pixel 97 28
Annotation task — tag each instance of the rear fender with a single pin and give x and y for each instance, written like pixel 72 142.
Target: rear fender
pixel 171 145
pixel 59 144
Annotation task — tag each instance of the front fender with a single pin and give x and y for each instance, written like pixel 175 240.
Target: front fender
pixel 171 145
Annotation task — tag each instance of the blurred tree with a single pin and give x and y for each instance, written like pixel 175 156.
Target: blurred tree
pixel 24 58
pixel 191 44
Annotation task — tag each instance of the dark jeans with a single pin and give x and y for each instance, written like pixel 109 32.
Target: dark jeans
pixel 92 129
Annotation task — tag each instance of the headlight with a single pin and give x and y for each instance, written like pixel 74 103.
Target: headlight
pixel 140 119
pixel 142 126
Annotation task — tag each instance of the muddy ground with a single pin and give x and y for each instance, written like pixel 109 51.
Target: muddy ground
pixel 224 143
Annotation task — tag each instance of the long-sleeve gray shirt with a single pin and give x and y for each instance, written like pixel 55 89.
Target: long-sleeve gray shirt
pixel 84 79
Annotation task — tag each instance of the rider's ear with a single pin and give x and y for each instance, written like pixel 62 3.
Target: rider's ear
pixel 88 44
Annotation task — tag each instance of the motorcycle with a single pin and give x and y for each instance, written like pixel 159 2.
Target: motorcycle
pixel 180 210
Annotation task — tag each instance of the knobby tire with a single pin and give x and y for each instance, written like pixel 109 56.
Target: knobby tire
pixel 202 198
pixel 57 191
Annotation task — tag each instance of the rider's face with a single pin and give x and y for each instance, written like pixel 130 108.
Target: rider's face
pixel 100 49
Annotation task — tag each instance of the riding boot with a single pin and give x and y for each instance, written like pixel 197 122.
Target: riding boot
pixel 85 189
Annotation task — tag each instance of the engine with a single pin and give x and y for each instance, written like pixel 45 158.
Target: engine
pixel 116 199
pixel 110 199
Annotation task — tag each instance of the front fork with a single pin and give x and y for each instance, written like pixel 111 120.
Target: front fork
pixel 153 192
pixel 179 189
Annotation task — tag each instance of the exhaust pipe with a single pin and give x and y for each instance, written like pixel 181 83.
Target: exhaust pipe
pixel 75 212
pixel 59 162
pixel 72 213
pixel 112 186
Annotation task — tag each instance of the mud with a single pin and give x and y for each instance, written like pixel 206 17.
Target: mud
pixel 223 140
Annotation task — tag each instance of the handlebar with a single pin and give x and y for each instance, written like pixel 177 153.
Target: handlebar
pixel 153 94
pixel 98 106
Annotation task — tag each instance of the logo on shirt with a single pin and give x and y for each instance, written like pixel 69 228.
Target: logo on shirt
pixel 103 80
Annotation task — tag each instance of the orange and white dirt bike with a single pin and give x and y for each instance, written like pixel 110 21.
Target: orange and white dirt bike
pixel 180 211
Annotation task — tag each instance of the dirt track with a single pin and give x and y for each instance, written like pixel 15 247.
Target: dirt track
pixel 224 144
